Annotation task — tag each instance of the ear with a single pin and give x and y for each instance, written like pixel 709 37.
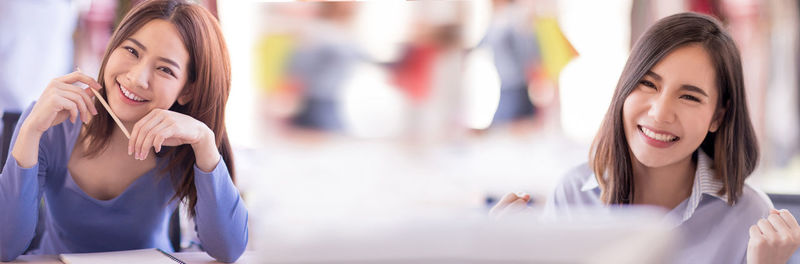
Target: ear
pixel 185 96
pixel 717 120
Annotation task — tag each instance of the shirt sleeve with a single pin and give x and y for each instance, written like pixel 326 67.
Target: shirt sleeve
pixel 221 216
pixel 551 205
pixel 20 192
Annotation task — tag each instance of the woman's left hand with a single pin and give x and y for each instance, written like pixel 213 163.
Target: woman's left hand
pixel 167 128
pixel 774 239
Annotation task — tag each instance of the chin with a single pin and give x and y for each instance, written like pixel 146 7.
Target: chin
pixel 652 162
pixel 651 159
pixel 122 112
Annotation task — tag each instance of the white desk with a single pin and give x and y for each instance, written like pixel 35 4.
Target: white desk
pixel 188 257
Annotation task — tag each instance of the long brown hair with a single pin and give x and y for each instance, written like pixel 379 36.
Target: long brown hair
pixel 207 86
pixel 733 146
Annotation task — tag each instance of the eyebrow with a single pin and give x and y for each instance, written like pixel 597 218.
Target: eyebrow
pixel 685 87
pixel 171 62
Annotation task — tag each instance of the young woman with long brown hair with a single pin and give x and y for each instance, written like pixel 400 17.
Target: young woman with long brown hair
pixel 166 75
pixel 678 135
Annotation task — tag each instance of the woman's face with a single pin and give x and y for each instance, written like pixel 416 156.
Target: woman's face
pixel 671 110
pixel 146 71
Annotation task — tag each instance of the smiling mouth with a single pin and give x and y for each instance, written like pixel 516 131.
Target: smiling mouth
pixel 667 138
pixel 130 95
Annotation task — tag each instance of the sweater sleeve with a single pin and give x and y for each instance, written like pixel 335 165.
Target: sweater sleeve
pixel 20 192
pixel 221 216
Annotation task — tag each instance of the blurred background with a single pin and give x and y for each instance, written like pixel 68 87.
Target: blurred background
pixel 345 110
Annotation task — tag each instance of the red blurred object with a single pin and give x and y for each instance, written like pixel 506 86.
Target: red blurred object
pixel 413 72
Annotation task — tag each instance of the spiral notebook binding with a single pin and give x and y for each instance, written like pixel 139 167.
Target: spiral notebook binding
pixel 171 256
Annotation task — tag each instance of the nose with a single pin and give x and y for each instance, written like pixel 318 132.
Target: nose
pixel 661 109
pixel 138 75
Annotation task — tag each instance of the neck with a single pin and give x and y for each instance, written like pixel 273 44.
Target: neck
pixel 119 138
pixel 664 186
pixel 117 143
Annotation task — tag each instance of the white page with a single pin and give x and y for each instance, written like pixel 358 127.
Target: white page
pixel 150 255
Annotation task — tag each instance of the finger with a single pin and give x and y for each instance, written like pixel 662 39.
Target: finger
pixel 87 98
pixel 78 111
pixel 515 207
pixel 500 205
pixel 755 232
pixel 78 76
pixel 518 205
pixel 505 201
pixel 136 131
pixel 789 219
pixel 65 104
pixel 149 140
pixel 766 228
pixel 75 96
pixel 524 196
pixel 779 225
pixel 756 238
pixel 140 147
pixel 159 141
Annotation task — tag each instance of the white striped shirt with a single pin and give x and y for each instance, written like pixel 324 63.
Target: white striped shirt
pixel 712 231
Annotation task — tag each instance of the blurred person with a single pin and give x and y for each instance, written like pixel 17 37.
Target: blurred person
pixel 321 63
pixel 429 73
pixel 678 136
pixel 32 32
pixel 166 76
pixel 516 55
pixel 95 26
pixel 748 26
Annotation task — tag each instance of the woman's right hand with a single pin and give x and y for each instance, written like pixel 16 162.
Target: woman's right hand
pixel 62 99
pixel 511 203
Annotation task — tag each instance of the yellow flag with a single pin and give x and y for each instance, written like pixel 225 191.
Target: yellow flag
pixel 270 61
pixel 555 48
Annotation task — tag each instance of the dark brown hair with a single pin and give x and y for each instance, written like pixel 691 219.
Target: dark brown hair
pixel 208 86
pixel 733 146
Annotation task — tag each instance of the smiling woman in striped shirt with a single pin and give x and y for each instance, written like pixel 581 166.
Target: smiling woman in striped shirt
pixel 678 135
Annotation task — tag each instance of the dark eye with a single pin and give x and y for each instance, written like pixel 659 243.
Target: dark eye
pixel 132 51
pixel 647 83
pixel 689 97
pixel 166 70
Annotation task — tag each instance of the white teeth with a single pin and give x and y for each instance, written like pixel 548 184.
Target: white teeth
pixel 657 136
pixel 130 95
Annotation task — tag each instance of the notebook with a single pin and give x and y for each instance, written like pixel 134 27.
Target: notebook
pixel 150 255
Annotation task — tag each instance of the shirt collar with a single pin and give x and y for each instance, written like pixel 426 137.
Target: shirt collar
pixel 590 183
pixel 705 182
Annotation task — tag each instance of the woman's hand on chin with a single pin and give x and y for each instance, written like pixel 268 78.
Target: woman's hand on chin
pixel 167 128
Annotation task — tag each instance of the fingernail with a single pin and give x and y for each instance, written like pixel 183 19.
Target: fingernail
pixel 129 150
